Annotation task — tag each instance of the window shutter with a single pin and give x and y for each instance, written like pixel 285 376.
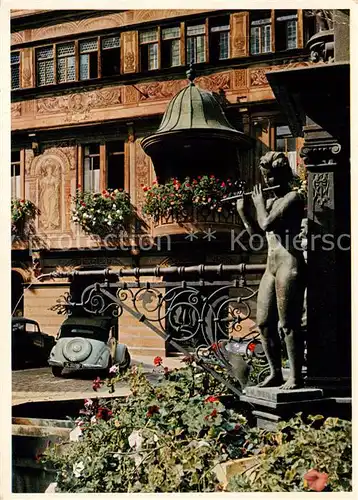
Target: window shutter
pixel 129 52
pixel 239 34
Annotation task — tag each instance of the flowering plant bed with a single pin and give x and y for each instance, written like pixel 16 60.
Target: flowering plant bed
pixel 175 197
pixel 102 214
pixel 22 214
pixel 171 436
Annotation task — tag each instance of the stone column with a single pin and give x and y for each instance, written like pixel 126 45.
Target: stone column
pixel 328 287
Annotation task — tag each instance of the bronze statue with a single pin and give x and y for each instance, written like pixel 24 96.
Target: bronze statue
pixel 281 290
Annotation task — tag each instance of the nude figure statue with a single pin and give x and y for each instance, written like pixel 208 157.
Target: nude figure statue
pixel 281 290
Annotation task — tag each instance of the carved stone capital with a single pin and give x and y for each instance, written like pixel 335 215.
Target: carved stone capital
pixel 320 154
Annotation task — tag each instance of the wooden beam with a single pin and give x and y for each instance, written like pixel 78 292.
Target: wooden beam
pixel 182 44
pixel 103 167
pixel 22 173
pixel 273 30
pixel 80 166
pixel 300 35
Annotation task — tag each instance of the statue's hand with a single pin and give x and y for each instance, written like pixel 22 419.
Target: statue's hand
pixel 240 204
pixel 257 196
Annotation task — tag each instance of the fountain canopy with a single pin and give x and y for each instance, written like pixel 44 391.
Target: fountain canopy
pixel 194 136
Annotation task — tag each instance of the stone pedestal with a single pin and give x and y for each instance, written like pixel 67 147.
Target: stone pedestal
pixel 316 103
pixel 273 404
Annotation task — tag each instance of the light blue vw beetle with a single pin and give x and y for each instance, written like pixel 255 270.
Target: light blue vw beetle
pixel 87 344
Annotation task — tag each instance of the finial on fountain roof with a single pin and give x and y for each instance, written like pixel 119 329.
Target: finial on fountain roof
pixel 190 74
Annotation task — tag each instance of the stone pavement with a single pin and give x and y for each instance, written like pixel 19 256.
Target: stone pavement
pixel 38 384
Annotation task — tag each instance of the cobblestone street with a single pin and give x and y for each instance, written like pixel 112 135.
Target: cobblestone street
pixel 38 384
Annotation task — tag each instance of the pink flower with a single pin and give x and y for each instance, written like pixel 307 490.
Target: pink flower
pixel 316 481
pixel 97 384
pixel 223 184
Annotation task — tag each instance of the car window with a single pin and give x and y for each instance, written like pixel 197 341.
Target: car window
pixel 86 332
pixel 31 327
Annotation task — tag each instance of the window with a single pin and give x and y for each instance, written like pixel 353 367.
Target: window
pixel 149 49
pixel 66 62
pixel 15 174
pixel 219 38
pixel 91 168
pixel 15 70
pixel 110 56
pixel 44 63
pixel 88 59
pixel 286 29
pixel 260 33
pixel 170 47
pixel 287 144
pixel 195 44
pixel 115 164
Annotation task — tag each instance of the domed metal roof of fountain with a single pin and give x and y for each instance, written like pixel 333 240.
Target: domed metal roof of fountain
pixel 193 113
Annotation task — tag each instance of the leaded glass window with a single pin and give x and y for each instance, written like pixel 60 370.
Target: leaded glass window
pixel 286 29
pixel 153 56
pixel 170 49
pixel 110 56
pixel 255 40
pixel 260 36
pixel 286 143
pixel 15 70
pixel 148 36
pixel 195 48
pixel 170 33
pixel 88 58
pixel 44 63
pixel 219 38
pixel 66 62
pixel 291 33
pixel 91 168
pixel 111 43
pixel 15 174
pixel 149 49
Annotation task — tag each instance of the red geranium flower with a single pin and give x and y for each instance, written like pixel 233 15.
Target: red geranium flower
pixel 214 413
pixel 251 346
pixel 145 188
pixel 103 413
pixel 211 399
pixel 316 481
pixel 152 410
pixel 157 361
pixel 223 184
pixel 212 176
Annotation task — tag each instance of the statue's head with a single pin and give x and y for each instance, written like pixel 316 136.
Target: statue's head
pixel 275 169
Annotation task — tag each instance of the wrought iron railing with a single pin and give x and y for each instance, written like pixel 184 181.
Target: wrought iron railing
pixel 194 215
pixel 207 307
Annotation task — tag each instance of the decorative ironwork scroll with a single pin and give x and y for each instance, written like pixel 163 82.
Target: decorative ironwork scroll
pixel 206 312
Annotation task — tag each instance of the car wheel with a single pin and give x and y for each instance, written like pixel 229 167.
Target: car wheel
pixel 126 362
pixel 56 371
